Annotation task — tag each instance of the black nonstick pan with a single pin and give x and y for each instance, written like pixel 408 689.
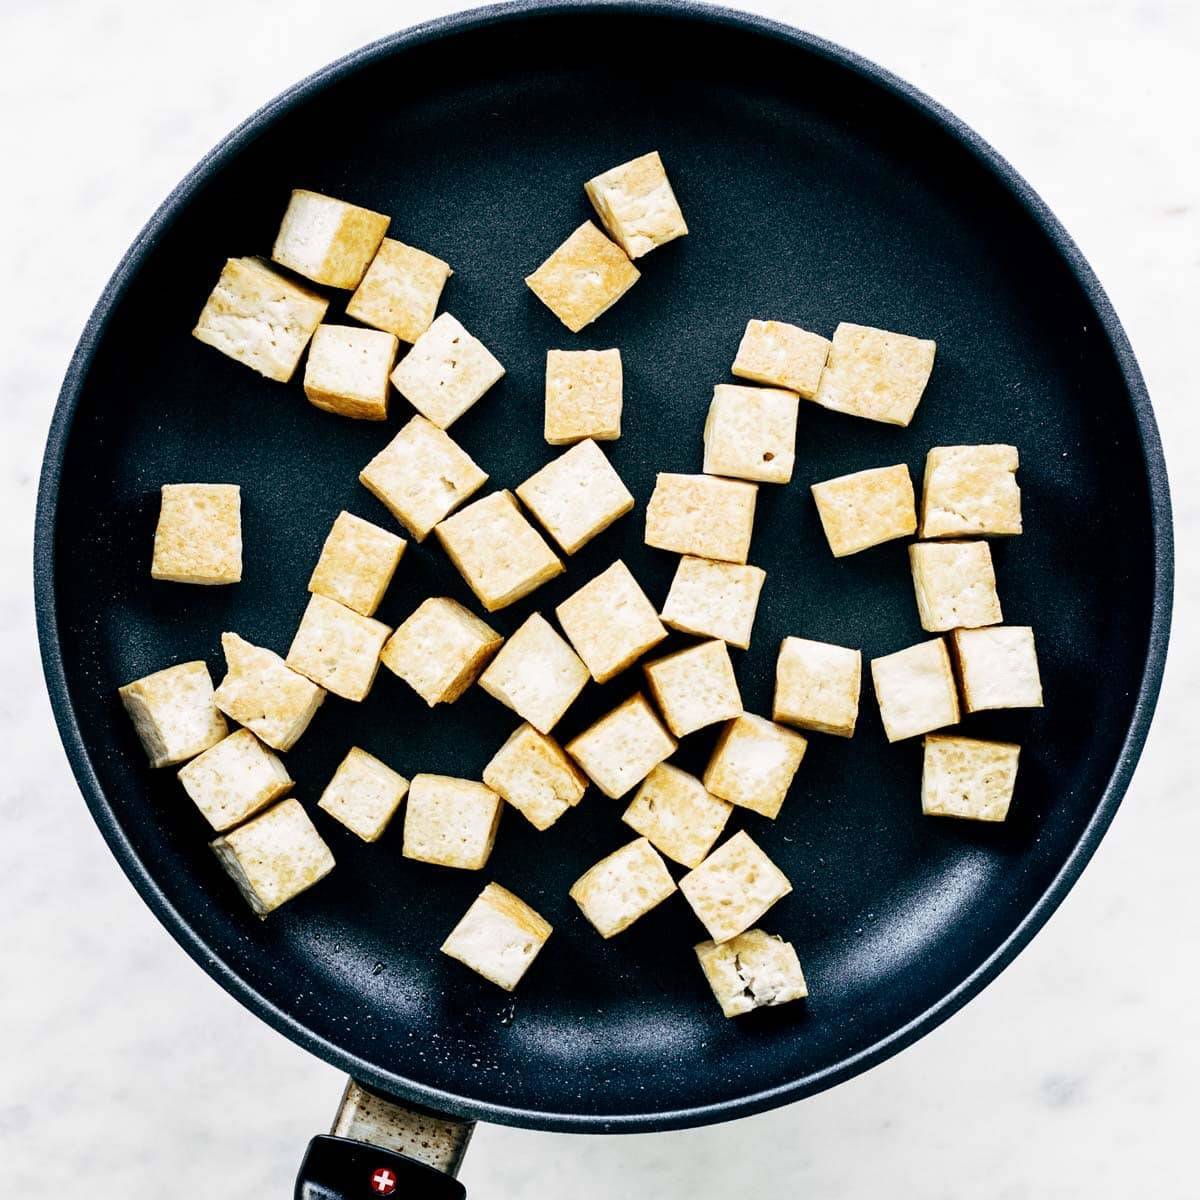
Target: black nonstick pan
pixel 818 188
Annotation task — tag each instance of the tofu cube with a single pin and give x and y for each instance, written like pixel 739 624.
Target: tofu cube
pixel 422 475
pixel 817 686
pixel 955 585
pixel 338 648
pixel 754 763
pixel 875 374
pixel 866 508
pixel 363 794
pixel 971 491
pixel 536 674
pixel 234 779
pixel 623 747
pixel 257 317
pixel 583 278
pixel 752 970
pixel 576 496
pixel 733 887
pixel 450 822
pixel 679 816
pixel 965 777
pixel 998 667
pixel 199 534
pixel 750 433
pixel 636 205
pixel 497 551
pixel 701 516
pixel 400 291
pixel 583 396
pixel 622 887
pixel 694 687
pixel 261 692
pixel 274 857
pixel 446 372
pixel 328 240
pixel 610 622
pixel 498 937
pixel 174 713
pixel 782 355
pixel 440 650
pixel 357 563
pixel 533 774
pixel 347 371
pixel 714 599
pixel 915 689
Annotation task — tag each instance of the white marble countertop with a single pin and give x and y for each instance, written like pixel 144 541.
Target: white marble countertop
pixel 127 1073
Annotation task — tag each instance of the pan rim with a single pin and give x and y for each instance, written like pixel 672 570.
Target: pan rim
pixel 45 594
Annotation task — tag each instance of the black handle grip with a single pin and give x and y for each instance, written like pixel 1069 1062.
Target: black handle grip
pixel 341 1169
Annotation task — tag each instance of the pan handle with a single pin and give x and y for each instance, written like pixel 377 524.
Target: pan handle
pixel 380 1148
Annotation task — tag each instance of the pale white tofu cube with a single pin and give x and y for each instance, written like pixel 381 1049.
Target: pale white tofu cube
pixel 955 585
pixel 750 433
pixel 234 779
pixel 782 355
pixel 679 816
pixel 347 371
pixel 275 856
pixel 636 204
pixel 733 887
pixel 610 622
pixel 583 396
pixel 817 686
pixel 583 278
pixel 971 491
pixel 498 937
pixel 702 516
pixel 363 794
pixel 446 372
pixel 338 648
pixel 622 887
pixel 694 687
pixel 753 970
pixel 915 689
pixel 328 240
pixel 875 374
pixel 174 713
pixel 998 667
pixel 714 599
pixel 400 291
pixel 968 778
pixel 533 774
pixel 199 534
pixel 866 508
pixel 357 563
pixel 754 763
pixel 622 747
pixel 422 475
pixel 451 822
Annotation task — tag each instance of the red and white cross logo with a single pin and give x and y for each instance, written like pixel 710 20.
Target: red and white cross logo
pixel 383 1182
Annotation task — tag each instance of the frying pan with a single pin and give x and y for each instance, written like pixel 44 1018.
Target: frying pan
pixel 817 188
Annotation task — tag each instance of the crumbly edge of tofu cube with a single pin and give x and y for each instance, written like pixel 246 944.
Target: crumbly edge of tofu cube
pixel 753 970
pixel 636 204
pixel 971 491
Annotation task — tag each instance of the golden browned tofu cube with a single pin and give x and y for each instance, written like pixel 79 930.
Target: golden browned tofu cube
pixel 817 686
pixel 750 433
pixel 875 374
pixel 257 317
pixel 610 622
pixel 865 509
pixel 714 599
pixel 357 563
pixel 998 667
pixel 782 355
pixel 733 887
pixel 199 534
pixel 498 937
pixel 678 815
pixel 174 713
pixel 968 778
pixel 583 278
pixel 623 747
pixel 533 774
pixel 422 475
pixel 955 585
pixel 400 291
pixel 363 794
pixel 497 551
pixel 752 970
pixel 754 764
pixel 440 650
pixel 234 779
pixel 583 396
pixel 694 687
pixel 701 516
pixel 347 371
pixel 328 240
pixel 622 887
pixel 338 648
pixel 451 822
pixel 915 689
pixel 636 205
pixel 971 491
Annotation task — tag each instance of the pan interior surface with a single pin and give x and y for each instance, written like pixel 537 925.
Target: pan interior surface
pixel 813 194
